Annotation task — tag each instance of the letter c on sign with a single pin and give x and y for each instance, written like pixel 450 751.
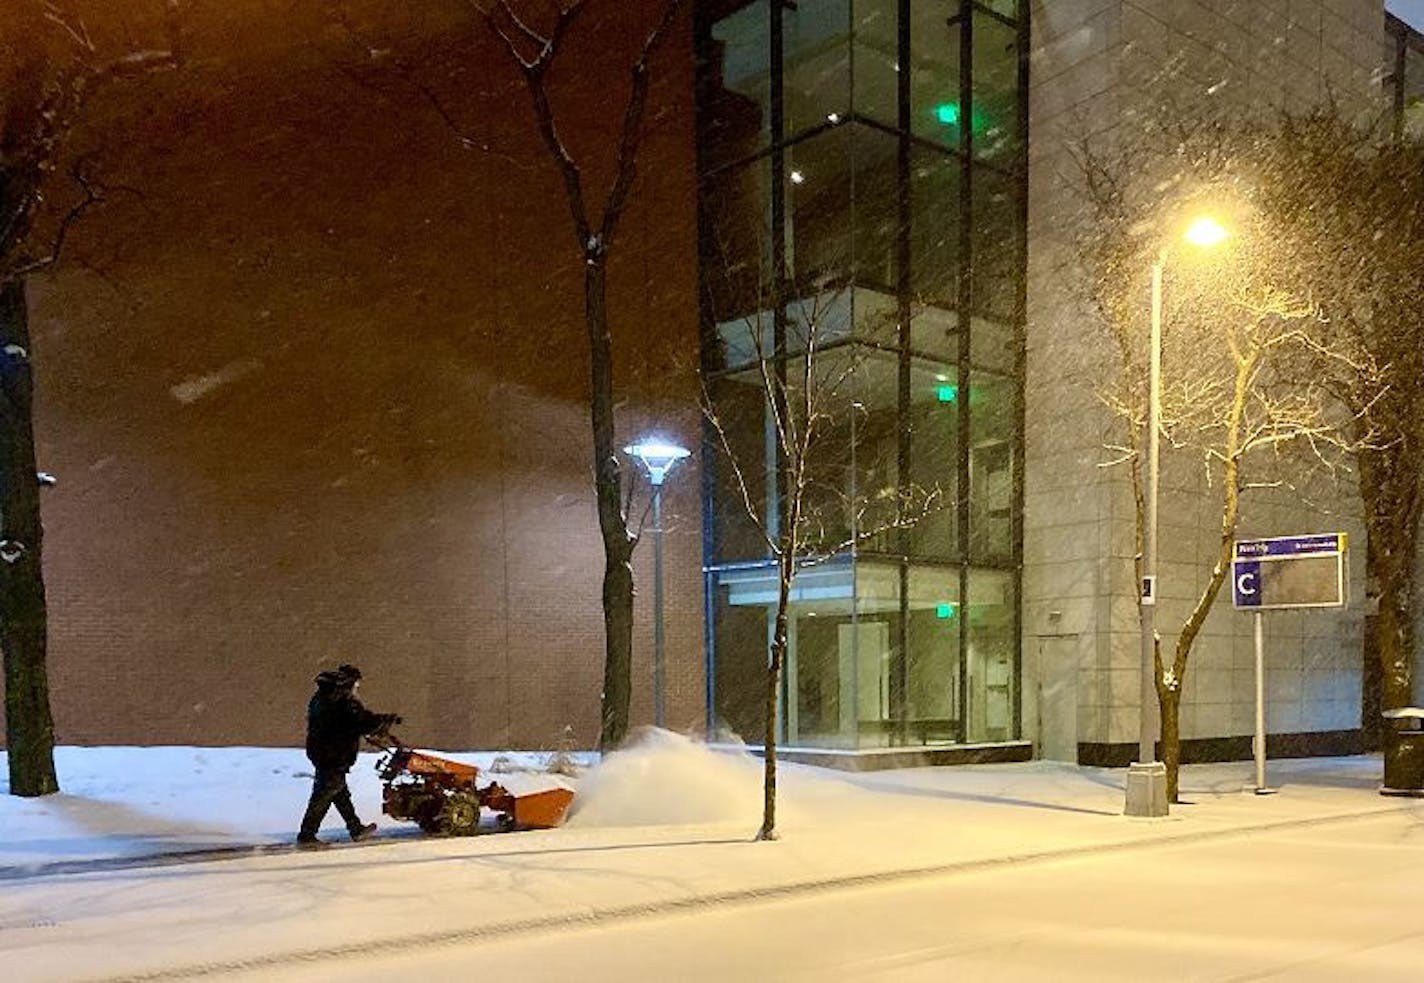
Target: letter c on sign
pixel 1243 580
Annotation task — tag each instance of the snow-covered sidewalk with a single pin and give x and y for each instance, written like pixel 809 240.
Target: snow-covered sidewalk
pixel 133 802
pixel 662 826
pixel 129 802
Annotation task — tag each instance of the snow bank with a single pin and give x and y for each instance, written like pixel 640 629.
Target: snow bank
pixel 124 801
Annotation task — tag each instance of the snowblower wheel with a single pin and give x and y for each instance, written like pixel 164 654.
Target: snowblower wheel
pixel 428 817
pixel 461 815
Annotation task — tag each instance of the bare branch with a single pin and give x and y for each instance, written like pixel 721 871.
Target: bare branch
pixel 369 54
pixel 544 44
pixel 76 30
pixel 1124 455
pixel 753 512
pixel 534 75
pixel 632 131
pixel 921 504
pixel 94 194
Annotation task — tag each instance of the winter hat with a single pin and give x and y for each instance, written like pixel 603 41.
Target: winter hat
pixel 347 672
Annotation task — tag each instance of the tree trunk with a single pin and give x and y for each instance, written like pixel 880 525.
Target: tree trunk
pixel 1171 705
pixel 1170 686
pixel 29 727
pixel 1389 486
pixel 787 569
pixel 612 523
pixel 618 647
pixel 506 25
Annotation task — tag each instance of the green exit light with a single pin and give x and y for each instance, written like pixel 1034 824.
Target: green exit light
pixel 952 114
pixel 947 394
pixel 944 611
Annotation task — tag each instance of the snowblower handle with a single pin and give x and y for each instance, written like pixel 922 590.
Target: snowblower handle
pixel 384 739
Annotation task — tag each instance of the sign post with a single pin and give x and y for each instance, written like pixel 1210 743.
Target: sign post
pixel 1258 739
pixel 1277 574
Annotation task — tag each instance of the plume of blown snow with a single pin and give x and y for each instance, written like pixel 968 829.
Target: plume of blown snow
pixel 664 778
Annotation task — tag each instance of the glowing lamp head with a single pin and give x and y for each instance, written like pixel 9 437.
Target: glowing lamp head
pixel 658 457
pixel 1206 232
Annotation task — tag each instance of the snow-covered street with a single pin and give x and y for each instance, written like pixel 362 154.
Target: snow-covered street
pixel 992 870
pixel 1337 901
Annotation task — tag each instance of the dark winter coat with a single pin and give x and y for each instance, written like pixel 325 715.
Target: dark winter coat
pixel 336 722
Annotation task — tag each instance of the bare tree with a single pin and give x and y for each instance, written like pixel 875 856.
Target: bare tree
pixel 51 63
pixel 1349 203
pixel 533 36
pixel 809 382
pixel 1242 343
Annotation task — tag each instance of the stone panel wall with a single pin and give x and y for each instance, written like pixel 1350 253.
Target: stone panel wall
pixel 1097 67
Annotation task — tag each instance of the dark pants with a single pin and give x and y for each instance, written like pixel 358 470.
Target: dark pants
pixel 328 787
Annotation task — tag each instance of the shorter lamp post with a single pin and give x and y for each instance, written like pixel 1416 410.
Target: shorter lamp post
pixel 658 457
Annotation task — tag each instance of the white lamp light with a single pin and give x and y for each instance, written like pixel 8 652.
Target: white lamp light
pixel 658 457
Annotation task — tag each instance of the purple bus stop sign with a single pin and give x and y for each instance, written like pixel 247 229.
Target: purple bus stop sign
pixel 1289 572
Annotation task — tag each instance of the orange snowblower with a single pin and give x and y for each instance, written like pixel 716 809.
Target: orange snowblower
pixel 445 797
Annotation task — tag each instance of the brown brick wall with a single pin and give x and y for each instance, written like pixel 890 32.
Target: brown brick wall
pixel 383 455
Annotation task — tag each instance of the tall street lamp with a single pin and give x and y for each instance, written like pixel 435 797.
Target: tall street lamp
pixel 658 457
pixel 1147 777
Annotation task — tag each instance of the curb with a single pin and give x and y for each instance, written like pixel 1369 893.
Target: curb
pixel 177 858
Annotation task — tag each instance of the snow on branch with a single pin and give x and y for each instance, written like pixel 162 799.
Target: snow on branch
pixel 38 107
pixel 1245 344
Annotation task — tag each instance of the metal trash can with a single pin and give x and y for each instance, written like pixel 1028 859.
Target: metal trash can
pixel 1403 752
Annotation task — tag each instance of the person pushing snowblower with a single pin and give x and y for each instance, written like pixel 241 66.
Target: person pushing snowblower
pixel 336 722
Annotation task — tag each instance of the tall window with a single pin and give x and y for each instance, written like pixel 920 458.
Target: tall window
pixel 865 159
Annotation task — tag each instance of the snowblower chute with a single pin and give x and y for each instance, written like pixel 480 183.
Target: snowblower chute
pixel 445 796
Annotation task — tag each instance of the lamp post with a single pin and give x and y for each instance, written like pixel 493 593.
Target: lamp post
pixel 658 457
pixel 1147 777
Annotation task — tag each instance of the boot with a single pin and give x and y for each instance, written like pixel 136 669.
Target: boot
pixel 311 843
pixel 363 832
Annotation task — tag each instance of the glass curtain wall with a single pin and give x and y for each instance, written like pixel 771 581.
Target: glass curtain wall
pixel 861 218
